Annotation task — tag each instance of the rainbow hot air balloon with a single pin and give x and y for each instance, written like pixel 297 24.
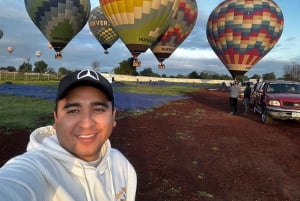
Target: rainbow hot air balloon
pixel 59 21
pixel 102 29
pixel 242 32
pixel 139 23
pixel 180 27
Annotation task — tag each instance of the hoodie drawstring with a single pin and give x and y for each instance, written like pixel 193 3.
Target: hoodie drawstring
pixel 86 185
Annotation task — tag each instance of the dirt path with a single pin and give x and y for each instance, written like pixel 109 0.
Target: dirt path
pixel 192 150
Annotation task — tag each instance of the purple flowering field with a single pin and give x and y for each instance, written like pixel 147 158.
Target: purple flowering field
pixel 123 101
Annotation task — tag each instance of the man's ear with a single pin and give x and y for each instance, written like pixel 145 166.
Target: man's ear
pixel 114 117
pixel 54 118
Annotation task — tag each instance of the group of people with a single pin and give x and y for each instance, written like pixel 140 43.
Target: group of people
pixel 72 160
pixel 234 93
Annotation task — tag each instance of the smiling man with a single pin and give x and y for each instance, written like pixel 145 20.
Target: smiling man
pixel 73 159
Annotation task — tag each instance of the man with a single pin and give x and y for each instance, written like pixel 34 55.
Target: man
pixel 233 99
pixel 246 100
pixel 73 160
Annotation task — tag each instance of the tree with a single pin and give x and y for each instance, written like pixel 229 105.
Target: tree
pixel 204 75
pixel 269 76
pixel 255 76
pixel 148 72
pixel 180 76
pixel 11 69
pixel 125 68
pixel 63 71
pixel 51 71
pixel 193 75
pixel 95 65
pixel 25 67
pixel 40 67
pixel 292 72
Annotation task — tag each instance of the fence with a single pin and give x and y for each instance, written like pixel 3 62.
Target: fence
pixel 12 76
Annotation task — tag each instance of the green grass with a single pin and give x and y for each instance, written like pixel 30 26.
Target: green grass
pixel 163 90
pixel 25 112
pixel 18 112
pixel 33 82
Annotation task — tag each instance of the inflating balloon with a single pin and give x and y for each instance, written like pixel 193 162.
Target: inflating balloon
pixel 242 32
pixel 180 27
pixel 102 29
pixel 139 23
pixel 59 21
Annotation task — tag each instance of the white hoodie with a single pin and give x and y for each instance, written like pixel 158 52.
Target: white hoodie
pixel 47 172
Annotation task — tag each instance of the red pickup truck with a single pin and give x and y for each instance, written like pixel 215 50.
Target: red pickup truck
pixel 277 100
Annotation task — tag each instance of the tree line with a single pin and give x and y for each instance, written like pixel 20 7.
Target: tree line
pixel 291 72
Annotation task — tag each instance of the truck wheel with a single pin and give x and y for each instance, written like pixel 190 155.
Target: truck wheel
pixel 265 118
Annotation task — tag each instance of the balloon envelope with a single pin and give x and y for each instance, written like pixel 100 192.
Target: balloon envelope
pixel 180 27
pixel 59 21
pixel 10 50
pixel 1 33
pixel 102 29
pixel 38 53
pixel 139 23
pixel 241 32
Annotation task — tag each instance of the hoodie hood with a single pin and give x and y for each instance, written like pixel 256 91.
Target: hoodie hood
pixel 45 139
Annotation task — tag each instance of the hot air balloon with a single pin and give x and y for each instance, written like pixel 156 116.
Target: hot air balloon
pixel 59 21
pixel 139 23
pixel 102 29
pixel 1 33
pixel 242 32
pixel 38 53
pixel 10 50
pixel 50 46
pixel 180 27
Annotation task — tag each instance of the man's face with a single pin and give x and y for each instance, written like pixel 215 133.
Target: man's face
pixel 83 121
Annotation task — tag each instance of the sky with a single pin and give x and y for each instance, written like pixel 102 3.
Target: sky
pixel 194 54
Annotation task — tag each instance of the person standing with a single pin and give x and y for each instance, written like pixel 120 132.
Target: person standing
pixel 246 100
pixel 255 85
pixel 72 160
pixel 233 99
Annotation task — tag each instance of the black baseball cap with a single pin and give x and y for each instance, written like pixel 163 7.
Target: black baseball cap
pixel 84 78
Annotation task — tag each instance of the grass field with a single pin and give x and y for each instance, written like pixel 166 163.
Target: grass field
pixel 28 112
pixel 24 112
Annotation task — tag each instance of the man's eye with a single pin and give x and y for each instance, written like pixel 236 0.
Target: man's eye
pixel 73 111
pixel 99 109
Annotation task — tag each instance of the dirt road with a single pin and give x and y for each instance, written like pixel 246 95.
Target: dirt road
pixel 191 149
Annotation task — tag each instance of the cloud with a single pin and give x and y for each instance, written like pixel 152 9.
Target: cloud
pixel 194 54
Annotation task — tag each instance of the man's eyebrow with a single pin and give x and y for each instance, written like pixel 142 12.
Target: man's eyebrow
pixel 68 105
pixel 97 103
pixel 101 103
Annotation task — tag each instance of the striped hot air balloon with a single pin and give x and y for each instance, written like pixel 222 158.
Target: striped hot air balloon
pixel 59 21
pixel 139 23
pixel 242 32
pixel 102 29
pixel 180 27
